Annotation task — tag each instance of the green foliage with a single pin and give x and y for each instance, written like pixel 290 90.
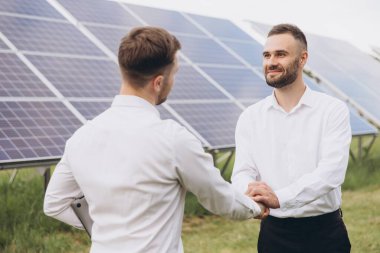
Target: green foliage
pixel 23 226
pixel 25 229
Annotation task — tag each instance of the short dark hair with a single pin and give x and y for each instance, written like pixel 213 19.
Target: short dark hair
pixel 145 52
pixel 291 29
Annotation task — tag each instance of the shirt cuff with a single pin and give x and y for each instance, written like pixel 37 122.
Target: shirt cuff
pixel 253 207
pixel 284 197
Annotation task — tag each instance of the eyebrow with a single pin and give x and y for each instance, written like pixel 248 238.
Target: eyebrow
pixel 277 51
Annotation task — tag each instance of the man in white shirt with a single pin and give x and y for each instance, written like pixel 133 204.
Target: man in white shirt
pixel 292 150
pixel 135 168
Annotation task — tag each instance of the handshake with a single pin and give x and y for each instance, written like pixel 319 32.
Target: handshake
pixel 264 196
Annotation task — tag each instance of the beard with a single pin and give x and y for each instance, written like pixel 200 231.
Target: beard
pixel 291 73
pixel 161 99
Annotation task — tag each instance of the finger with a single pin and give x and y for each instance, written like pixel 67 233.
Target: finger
pixel 262 199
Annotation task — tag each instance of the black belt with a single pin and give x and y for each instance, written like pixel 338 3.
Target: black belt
pixel 314 220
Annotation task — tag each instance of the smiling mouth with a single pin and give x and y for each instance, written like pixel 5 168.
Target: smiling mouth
pixel 274 72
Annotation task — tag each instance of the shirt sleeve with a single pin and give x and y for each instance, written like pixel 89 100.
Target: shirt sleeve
pixel 332 165
pixel 61 191
pixel 197 174
pixel 245 170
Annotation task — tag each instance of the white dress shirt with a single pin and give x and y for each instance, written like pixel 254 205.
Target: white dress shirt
pixel 302 155
pixel 134 170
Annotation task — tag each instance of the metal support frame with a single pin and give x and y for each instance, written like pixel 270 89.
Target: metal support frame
pixel 224 160
pixel 363 150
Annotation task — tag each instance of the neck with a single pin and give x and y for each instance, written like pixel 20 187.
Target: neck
pixel 289 96
pixel 129 90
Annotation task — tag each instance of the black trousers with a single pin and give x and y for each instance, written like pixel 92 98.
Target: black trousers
pixel 320 234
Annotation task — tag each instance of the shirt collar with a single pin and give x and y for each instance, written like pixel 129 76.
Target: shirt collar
pixel 307 99
pixel 134 101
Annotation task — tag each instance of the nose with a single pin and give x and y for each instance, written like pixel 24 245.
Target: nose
pixel 270 62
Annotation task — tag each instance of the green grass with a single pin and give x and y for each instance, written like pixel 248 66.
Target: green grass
pixel 25 229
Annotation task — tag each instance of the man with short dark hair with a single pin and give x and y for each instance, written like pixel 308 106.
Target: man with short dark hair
pixel 135 168
pixel 292 151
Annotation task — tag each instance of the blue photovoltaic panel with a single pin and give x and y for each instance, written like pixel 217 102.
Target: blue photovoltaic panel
pixel 30 7
pixel 359 126
pixel 80 77
pixel 214 122
pixel 190 84
pixel 170 20
pixel 262 29
pixel 46 36
pixel 17 80
pixel 242 83
pixel 98 11
pixel 205 50
pixel 111 37
pixel 348 69
pixel 252 51
pixel 221 28
pixel 91 109
pixel 34 130
pixel 2 45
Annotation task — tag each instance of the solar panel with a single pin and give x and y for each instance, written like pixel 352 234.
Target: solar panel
pixel 204 98
pixel 261 28
pixel 354 73
pixel 17 80
pixel 358 125
pixel 242 83
pixel 190 84
pixel 46 36
pixel 91 109
pixel 103 12
pixel 36 7
pixel 34 130
pixel 170 20
pixel 250 51
pixel 221 28
pixel 80 77
pixel 205 50
pixel 215 122
pixel 3 45
pixel 110 36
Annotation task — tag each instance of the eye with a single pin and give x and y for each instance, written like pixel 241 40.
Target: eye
pixel 266 55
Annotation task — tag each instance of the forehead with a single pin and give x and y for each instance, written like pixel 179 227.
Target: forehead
pixel 281 42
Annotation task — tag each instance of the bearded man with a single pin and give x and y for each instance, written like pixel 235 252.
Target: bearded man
pixel 292 150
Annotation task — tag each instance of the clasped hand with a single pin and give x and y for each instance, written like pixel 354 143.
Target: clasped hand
pixel 261 193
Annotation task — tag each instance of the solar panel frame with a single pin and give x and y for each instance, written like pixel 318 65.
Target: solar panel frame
pixel 34 130
pixel 111 12
pixel 38 8
pixel 164 18
pixel 79 77
pixel 242 83
pixel 206 119
pixel 46 36
pixel 221 28
pixel 17 80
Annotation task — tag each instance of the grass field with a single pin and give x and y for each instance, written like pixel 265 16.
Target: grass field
pixel 24 228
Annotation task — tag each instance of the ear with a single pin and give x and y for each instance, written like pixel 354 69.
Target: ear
pixel 303 58
pixel 158 83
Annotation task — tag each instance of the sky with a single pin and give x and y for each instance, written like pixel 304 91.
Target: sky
pixel 355 21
